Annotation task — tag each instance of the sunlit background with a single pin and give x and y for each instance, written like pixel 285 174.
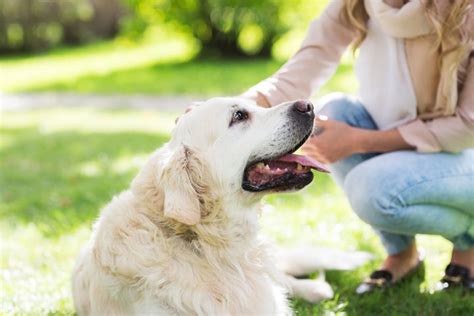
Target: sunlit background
pixel 88 88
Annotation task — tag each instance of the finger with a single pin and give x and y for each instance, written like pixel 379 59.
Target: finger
pixel 307 150
pixel 313 144
pixel 309 144
pixel 311 150
pixel 317 156
pixel 324 160
pixel 189 108
pixel 317 130
pixel 320 123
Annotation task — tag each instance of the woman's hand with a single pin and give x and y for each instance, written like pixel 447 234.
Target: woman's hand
pixel 333 140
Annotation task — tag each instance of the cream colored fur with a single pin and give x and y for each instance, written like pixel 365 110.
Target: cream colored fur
pixel 183 239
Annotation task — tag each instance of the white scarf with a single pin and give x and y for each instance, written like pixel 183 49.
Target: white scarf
pixel 403 20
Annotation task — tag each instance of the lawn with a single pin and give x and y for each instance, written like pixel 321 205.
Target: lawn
pixel 59 166
pixel 161 67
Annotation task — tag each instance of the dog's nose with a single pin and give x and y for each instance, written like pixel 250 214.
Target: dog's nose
pixel 303 106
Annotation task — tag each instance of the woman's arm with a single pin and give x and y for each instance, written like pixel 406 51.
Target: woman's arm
pixel 380 141
pixel 316 60
pixel 453 133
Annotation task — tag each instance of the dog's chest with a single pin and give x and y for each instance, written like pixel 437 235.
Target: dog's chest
pixel 223 284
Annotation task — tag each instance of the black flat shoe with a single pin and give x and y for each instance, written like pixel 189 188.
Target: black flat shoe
pixel 382 279
pixel 456 276
pixel 379 279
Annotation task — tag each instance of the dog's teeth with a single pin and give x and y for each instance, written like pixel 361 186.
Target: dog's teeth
pixel 278 170
pixel 299 167
pixel 267 167
pixel 260 165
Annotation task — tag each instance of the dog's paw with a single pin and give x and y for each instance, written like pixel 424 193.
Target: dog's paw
pixel 313 291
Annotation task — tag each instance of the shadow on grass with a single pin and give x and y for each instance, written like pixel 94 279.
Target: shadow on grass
pixel 59 181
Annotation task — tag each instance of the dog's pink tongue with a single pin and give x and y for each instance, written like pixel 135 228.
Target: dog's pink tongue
pixel 305 161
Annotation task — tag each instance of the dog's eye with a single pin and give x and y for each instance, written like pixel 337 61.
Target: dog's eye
pixel 239 116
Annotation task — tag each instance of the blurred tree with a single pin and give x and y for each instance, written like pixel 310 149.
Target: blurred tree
pixel 32 25
pixel 226 27
pixel 106 18
pixel 222 27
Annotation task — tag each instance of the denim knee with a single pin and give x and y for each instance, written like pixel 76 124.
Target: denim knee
pixel 372 198
pixel 465 241
pixel 347 109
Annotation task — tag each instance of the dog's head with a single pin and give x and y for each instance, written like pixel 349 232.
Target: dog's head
pixel 230 146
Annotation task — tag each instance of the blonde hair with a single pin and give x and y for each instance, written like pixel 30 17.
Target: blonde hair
pixel 354 14
pixel 453 40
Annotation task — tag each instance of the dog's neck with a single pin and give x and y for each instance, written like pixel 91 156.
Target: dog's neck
pixel 230 244
pixel 231 226
pixel 225 222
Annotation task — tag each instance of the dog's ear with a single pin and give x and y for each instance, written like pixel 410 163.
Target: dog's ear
pixel 182 184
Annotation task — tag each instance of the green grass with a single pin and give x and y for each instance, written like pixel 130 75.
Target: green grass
pixel 60 166
pixel 161 67
pixel 99 60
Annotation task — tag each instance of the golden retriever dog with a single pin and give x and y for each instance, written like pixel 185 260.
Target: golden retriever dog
pixel 183 239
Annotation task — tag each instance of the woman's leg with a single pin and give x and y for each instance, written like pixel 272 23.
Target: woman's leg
pixel 348 110
pixel 401 248
pixel 405 193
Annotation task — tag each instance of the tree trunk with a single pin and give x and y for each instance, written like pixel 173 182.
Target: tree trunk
pixel 107 13
pixel 226 45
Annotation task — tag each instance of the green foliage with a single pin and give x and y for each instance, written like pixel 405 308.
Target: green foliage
pixel 34 25
pixel 60 166
pixel 225 27
pixel 221 27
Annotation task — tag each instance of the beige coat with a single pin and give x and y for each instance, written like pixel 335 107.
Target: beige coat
pixel 442 121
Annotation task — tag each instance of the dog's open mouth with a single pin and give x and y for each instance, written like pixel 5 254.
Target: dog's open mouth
pixel 288 172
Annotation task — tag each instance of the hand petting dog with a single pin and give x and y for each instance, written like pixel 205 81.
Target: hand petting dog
pixel 331 140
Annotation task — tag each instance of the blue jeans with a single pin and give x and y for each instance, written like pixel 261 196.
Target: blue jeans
pixel 404 193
